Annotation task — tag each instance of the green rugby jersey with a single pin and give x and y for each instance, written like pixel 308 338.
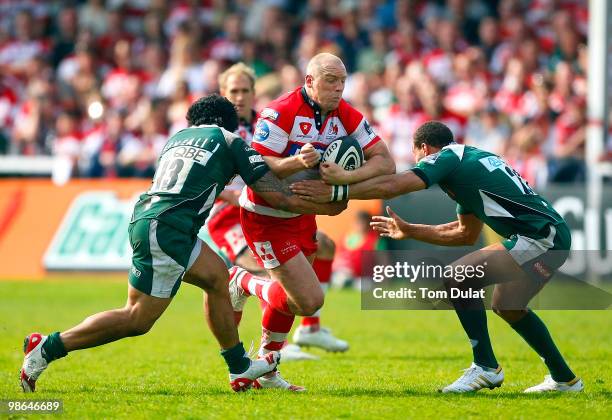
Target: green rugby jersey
pixel 484 185
pixel 195 165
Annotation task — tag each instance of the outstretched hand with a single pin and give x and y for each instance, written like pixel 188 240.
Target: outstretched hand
pixel 315 191
pixel 390 227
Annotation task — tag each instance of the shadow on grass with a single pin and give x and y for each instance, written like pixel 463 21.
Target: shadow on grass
pixel 428 357
pixel 101 392
pixel 127 391
pixel 507 395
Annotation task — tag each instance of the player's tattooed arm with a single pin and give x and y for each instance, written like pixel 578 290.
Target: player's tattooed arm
pixel 277 193
pixel 385 186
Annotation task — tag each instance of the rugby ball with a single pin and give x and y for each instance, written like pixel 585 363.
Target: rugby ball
pixel 346 152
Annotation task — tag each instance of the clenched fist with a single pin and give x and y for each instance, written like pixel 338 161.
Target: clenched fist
pixel 309 156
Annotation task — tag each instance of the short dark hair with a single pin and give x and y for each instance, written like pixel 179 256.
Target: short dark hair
pixel 213 109
pixel 433 133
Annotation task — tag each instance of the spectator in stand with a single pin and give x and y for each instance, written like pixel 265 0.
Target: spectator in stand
pixel 405 44
pixel 352 39
pixel 488 36
pixel 513 98
pixel 185 65
pixel 227 47
pixel 66 35
pixel 179 104
pixel 155 56
pixel 487 131
pixel 35 120
pixel 373 58
pixel 23 46
pixel 524 154
pixel 93 16
pixel 105 162
pixel 66 146
pixel 399 124
pixel 567 163
pixel 563 90
pixel 439 61
pixel 468 94
pixel 430 97
pixel 138 155
pixel 528 59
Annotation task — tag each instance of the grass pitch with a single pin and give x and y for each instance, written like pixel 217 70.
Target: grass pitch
pixel 396 362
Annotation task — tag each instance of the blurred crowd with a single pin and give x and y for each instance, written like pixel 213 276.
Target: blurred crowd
pixel 103 83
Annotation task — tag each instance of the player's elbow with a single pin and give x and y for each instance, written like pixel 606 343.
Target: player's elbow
pixel 468 238
pixel 389 166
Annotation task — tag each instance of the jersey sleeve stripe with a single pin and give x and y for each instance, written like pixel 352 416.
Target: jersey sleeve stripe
pixel 265 151
pixel 372 143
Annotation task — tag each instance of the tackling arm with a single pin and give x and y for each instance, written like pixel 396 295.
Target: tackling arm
pixel 463 231
pixel 386 186
pixel 277 192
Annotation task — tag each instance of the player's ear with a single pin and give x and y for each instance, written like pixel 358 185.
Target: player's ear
pixel 309 80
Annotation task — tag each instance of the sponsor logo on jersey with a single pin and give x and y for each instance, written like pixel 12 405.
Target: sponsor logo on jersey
pixel 494 161
pixel 367 128
pixel 305 127
pixel 256 159
pixel 269 113
pixel 262 131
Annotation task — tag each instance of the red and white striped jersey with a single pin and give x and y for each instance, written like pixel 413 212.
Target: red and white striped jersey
pixel 293 120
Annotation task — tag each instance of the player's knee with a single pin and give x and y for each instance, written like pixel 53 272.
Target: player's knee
pixel 508 315
pixel 326 248
pixel 312 304
pixel 139 324
pixel 213 281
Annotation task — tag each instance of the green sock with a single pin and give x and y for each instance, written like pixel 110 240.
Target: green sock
pixel 236 358
pixel 535 333
pixel 53 348
pixel 474 322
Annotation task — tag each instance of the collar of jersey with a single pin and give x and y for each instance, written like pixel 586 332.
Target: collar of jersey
pixel 246 123
pixel 315 107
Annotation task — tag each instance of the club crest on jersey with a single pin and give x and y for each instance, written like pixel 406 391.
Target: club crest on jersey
pixel 262 131
pixel 333 129
pixel 269 113
pixel 305 127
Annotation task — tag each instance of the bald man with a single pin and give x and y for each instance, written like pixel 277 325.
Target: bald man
pixel 291 133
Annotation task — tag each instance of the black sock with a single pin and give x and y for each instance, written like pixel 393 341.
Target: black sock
pixel 535 333
pixel 53 348
pixel 474 322
pixel 473 318
pixel 236 358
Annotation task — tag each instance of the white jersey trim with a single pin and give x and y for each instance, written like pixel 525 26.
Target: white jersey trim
pixel 248 205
